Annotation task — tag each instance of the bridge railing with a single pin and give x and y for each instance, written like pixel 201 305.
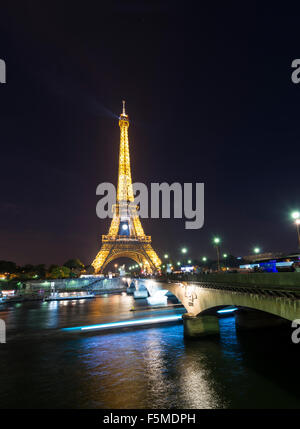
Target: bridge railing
pixel 292 292
pixel 270 290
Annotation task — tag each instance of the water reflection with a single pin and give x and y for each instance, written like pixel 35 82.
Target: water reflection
pixel 141 368
pixel 196 387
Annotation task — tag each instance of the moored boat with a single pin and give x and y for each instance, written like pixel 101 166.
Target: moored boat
pixel 63 297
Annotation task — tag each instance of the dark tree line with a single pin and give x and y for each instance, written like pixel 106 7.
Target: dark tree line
pixel 71 268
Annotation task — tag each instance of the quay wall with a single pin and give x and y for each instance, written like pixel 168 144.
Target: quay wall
pixel 75 284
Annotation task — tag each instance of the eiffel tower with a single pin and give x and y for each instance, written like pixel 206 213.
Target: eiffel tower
pixel 126 237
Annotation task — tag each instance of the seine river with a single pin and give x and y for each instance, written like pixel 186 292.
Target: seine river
pixel 44 367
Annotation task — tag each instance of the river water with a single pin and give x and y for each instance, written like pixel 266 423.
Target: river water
pixel 44 367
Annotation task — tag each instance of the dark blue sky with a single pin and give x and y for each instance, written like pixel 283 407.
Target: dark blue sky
pixel 210 98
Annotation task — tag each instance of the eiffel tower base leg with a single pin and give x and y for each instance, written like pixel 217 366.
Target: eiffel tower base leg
pixel 142 253
pixel 90 270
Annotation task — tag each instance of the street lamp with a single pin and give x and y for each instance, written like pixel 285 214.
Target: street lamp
pixel 189 261
pixel 166 256
pixel 184 251
pixel 178 263
pixel 204 259
pixel 225 255
pixel 256 250
pixel 217 242
pixel 297 222
pixel 296 216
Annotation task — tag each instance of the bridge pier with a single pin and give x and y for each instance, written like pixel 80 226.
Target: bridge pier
pixel 249 319
pixel 200 326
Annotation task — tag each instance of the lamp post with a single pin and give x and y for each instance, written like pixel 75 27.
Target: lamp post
pixel 297 222
pixel 256 250
pixel 217 242
pixel 296 216
pixel 224 258
pixel 184 252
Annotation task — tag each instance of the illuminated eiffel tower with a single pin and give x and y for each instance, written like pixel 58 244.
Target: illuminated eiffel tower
pixel 126 237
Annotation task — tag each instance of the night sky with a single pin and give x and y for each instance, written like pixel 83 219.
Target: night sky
pixel 210 99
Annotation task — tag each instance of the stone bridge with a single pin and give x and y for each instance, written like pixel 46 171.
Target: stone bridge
pixel 263 299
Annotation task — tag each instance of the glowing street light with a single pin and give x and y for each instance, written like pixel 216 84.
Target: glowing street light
pixel 225 255
pixel 166 256
pixel 178 263
pixel 189 261
pixel 296 216
pixel 184 250
pixel 204 259
pixel 256 250
pixel 217 242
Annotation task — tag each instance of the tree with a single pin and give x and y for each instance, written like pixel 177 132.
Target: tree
pixel 40 270
pixel 8 267
pixel 51 267
pixel 28 268
pixel 74 264
pixel 60 272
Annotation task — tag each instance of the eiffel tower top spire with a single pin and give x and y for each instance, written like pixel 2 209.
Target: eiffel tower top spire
pixel 125 192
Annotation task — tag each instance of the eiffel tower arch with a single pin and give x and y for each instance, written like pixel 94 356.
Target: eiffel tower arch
pixel 126 237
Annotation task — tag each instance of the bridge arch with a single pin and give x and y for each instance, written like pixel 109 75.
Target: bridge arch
pixel 197 300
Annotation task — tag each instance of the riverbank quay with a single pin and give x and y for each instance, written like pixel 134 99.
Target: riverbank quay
pixel 40 290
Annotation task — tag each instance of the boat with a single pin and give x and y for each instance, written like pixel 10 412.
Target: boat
pixel 12 299
pixel 68 297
